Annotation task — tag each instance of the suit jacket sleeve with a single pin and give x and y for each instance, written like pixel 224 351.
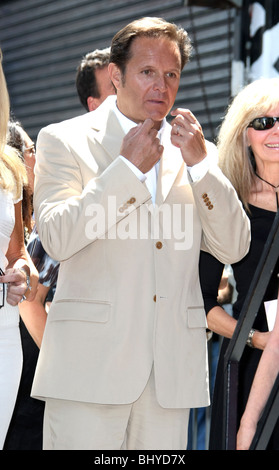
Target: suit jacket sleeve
pixel 226 226
pixel 63 202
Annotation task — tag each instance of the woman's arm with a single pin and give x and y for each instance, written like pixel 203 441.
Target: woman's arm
pixel 34 314
pixel 218 320
pixel 34 279
pixel 221 322
pixel 264 379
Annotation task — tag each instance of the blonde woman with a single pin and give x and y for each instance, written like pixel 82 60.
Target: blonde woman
pixel 14 265
pixel 248 146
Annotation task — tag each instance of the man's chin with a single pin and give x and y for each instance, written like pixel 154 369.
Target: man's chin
pixel 155 116
pixel 157 111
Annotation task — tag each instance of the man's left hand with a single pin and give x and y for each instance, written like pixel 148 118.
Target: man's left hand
pixel 187 135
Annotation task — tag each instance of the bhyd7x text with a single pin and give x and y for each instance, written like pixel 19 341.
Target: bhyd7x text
pixel 164 459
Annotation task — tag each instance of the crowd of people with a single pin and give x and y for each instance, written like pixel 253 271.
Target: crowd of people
pixel 112 256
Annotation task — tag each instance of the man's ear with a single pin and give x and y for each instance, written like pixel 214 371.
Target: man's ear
pixel 92 103
pixel 115 75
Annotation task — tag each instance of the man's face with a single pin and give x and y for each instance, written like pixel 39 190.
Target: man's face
pixel 105 88
pixel 151 80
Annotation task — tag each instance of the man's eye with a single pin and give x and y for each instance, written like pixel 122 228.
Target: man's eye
pixel 171 74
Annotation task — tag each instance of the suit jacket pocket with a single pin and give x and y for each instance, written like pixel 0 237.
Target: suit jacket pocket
pixel 196 317
pixel 80 310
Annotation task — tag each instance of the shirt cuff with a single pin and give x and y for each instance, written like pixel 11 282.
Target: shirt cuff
pixel 141 176
pixel 196 172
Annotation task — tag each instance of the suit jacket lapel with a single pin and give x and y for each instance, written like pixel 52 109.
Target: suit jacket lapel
pixel 109 131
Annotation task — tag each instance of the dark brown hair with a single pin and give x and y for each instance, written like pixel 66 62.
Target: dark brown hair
pixel 86 82
pixel 147 27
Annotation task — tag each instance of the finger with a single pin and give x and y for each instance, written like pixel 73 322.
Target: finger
pixel 13 299
pixel 177 129
pixel 142 127
pixel 179 124
pixel 186 113
pixel 187 118
pixel 147 125
pixel 147 129
pixel 153 133
pixel 13 277
pixel 132 132
pixel 16 289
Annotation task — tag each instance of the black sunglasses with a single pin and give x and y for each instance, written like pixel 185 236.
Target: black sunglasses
pixel 263 123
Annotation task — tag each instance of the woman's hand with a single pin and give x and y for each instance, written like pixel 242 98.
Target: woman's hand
pixel 260 339
pixel 21 277
pixel 16 282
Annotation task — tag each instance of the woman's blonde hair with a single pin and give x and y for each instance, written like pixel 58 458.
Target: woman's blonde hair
pixel 12 170
pixel 255 100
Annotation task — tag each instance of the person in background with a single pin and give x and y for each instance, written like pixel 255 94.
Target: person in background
pixel 22 142
pixel 124 353
pixel 26 426
pixel 265 377
pixel 93 83
pixel 16 275
pixel 25 147
pixel 248 155
pixel 33 314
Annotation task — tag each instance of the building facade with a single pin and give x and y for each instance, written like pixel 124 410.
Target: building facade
pixel 43 42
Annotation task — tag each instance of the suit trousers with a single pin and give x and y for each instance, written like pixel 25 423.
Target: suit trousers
pixel 141 425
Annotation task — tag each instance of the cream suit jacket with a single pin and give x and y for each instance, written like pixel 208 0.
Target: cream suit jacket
pixel 128 294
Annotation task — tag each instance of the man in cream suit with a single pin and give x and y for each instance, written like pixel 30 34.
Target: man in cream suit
pixel 125 201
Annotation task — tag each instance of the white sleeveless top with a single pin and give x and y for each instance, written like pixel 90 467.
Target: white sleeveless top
pixel 9 315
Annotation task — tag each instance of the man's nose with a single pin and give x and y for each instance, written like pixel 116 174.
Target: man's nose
pixel 160 83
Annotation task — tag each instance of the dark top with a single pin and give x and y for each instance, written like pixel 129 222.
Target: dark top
pixel 46 266
pixel 210 276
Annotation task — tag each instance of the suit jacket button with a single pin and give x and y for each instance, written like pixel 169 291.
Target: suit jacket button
pixel 210 207
pixel 204 195
pixel 132 200
pixel 159 245
pixel 154 298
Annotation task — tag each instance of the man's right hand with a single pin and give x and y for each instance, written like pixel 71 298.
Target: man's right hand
pixel 142 147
